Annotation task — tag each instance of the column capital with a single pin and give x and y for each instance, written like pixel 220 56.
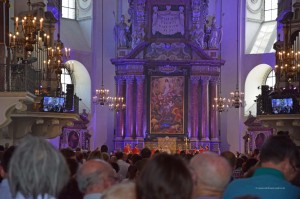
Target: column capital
pixel 214 79
pixel 129 78
pixel 194 78
pixel 140 78
pixel 119 78
pixel 205 79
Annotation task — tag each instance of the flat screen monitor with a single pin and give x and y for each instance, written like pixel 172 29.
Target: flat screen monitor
pixel 53 104
pixel 282 106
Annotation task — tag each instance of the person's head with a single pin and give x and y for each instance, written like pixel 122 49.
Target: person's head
pixel 131 174
pixel 68 153
pixel 281 153
pixel 119 155
pixel 230 157
pixel 121 191
pixel 79 156
pixel 105 156
pixel 135 158
pixel 95 176
pixel 146 153
pixel 37 168
pixel 164 176
pixel 251 162
pixel 95 155
pixel 104 148
pixel 239 163
pixel 211 174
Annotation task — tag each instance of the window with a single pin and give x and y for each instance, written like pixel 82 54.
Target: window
pixel 271 79
pixel 65 79
pixel 68 9
pixel 264 37
pixel 271 10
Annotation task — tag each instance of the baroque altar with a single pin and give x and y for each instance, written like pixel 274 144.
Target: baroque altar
pixel 168 70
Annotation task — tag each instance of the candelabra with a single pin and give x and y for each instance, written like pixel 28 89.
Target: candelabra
pixel 220 104
pixel 57 55
pixel 32 31
pixel 116 104
pixel 287 66
pixel 101 96
pixel 237 99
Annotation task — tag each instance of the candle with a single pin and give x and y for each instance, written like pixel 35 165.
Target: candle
pixel 17 23
pixel 10 38
pixel 41 23
pixel 48 40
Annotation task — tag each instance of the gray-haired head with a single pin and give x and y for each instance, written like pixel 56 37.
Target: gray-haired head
pixel 95 176
pixel 37 168
pixel 211 171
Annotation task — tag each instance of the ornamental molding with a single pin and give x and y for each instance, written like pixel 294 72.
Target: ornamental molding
pixel 254 6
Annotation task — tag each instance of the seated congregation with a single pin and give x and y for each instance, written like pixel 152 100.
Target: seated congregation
pixel 36 170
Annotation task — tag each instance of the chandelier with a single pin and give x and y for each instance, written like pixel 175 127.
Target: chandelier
pixel 237 97
pixel 28 33
pixel 287 66
pixel 58 54
pixel 101 96
pixel 220 104
pixel 116 104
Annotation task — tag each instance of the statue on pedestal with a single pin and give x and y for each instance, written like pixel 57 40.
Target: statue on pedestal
pixel 121 32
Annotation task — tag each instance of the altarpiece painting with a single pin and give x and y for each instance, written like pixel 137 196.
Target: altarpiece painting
pixel 167 105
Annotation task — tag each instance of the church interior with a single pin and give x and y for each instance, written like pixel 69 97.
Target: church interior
pixel 170 75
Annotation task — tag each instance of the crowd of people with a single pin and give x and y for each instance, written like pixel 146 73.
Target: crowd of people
pixel 36 170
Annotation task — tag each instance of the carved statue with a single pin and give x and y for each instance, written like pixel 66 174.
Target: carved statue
pixel 121 32
pixel 197 35
pixel 137 36
pixel 215 35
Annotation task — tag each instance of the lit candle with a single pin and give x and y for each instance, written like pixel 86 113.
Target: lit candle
pixel 41 23
pixel 10 38
pixel 17 23
pixel 48 39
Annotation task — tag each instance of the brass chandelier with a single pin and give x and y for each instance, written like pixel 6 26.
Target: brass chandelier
pixel 29 33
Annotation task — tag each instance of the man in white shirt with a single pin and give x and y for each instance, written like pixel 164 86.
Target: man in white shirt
pixel 123 166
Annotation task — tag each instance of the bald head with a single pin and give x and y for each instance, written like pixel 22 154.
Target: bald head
pixel 95 176
pixel 211 173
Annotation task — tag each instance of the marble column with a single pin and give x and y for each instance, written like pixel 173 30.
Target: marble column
pixel 204 108
pixel 213 86
pixel 139 105
pixel 129 106
pixel 120 117
pixel 194 107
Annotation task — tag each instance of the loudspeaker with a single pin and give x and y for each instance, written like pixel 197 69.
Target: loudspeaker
pixel 69 97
